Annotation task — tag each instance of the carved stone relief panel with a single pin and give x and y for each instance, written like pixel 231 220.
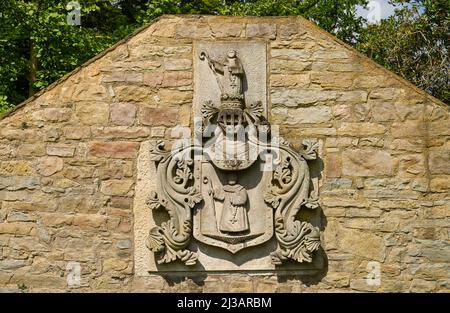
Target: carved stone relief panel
pixel 229 198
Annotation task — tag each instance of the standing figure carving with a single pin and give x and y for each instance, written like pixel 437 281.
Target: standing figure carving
pixel 234 217
pixel 232 71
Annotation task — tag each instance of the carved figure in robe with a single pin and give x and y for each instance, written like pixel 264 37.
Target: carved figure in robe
pixel 232 71
pixel 234 218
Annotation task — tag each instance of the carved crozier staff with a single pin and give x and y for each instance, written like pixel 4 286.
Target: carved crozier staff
pixel 232 72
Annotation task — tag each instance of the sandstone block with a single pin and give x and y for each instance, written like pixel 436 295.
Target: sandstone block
pixel 166 116
pixel 92 113
pixel 439 162
pixel 116 150
pixel 89 221
pixel 261 30
pixel 333 167
pixel 440 184
pixel 224 30
pixel 11 264
pixel 132 93
pixel 367 162
pixel 330 55
pixel 362 243
pixel 77 132
pixel 289 80
pixel 116 187
pixel 332 80
pixel 114 265
pixel 412 164
pixel 52 115
pixel 171 97
pixel 17 228
pixel 16 168
pixel 361 129
pixel 177 64
pixel 122 77
pixel 408 129
pixel 177 79
pixel 122 113
pixel 153 79
pixel 121 132
pixel 60 150
pixel 289 31
pixel 49 165
pixel 387 93
pixel 299 97
pixel 310 115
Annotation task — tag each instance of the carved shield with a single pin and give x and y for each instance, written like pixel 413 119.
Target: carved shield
pixel 254 218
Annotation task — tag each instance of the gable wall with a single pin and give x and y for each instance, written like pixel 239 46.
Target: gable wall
pixel 68 162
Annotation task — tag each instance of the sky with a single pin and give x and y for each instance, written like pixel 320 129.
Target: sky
pixel 377 10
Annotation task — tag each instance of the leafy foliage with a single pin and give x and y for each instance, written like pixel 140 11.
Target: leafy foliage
pixel 415 44
pixel 37 45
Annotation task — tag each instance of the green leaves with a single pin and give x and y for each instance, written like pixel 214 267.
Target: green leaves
pixel 414 44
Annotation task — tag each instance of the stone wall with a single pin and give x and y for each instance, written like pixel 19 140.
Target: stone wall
pixel 68 162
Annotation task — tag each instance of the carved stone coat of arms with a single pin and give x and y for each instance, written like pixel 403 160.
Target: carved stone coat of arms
pixel 237 184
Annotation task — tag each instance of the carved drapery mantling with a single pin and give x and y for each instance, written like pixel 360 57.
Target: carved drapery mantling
pixel 177 194
pixel 204 196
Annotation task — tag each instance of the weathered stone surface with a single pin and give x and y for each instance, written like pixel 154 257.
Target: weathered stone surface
pixel 289 80
pixel 12 264
pixel 363 244
pixel 261 30
pixel 367 162
pixel 153 79
pixel 287 54
pixel 177 79
pixel 333 166
pixel 68 162
pixel 167 116
pixel 413 164
pixel 311 115
pixel 440 184
pixel 227 30
pixel 16 228
pixel 297 97
pixel 361 129
pixel 52 115
pixel 47 166
pixel 408 129
pixel 177 64
pixel 132 93
pixel 92 113
pixel 19 182
pixel 29 150
pixel 116 187
pixel 439 162
pixel 122 77
pixel 122 113
pixel 77 132
pixel 330 55
pixel 121 132
pixel 19 168
pixel 89 221
pixel 60 150
pixel 333 80
pixel 117 150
